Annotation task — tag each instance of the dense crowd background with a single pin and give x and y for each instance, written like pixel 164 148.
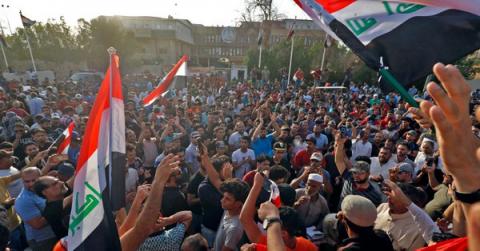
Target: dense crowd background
pixel 354 168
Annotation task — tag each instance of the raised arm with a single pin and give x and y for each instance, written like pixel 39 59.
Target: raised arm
pixel 212 174
pixel 340 153
pixel 247 215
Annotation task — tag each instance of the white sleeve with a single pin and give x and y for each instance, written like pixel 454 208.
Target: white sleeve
pixel 423 221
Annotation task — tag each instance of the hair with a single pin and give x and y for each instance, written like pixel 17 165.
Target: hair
pixel 38 130
pixel 218 163
pixel 5 145
pixel 290 220
pixel 29 144
pixel 32 169
pixel 311 139
pixel 261 158
pixel 365 232
pixel 417 195
pixel 363 158
pixel 130 147
pixel 40 185
pixel 277 172
pixel 246 138
pixel 239 189
pixel 195 242
pixel 403 143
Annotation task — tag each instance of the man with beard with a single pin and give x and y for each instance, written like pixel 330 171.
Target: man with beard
pixel 402 154
pixel 377 143
pixel 310 204
pixel 380 166
pixel 390 131
pixel 356 180
pixel 58 204
pixel 302 158
pixel 234 139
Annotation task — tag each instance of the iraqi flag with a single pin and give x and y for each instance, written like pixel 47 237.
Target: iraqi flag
pixel 27 22
pixel 67 139
pixel 406 37
pixel 177 74
pixel 99 189
pixel 275 194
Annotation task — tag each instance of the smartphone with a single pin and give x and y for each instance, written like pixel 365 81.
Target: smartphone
pixel 429 161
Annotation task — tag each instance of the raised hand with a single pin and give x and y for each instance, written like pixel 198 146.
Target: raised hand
pixel 450 115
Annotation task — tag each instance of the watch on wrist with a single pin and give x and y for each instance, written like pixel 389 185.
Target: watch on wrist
pixel 268 221
pixel 469 198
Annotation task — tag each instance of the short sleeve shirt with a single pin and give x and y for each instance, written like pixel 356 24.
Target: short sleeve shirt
pixel 229 233
pixel 169 240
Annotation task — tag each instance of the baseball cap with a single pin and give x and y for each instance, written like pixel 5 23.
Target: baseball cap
pixel 55 115
pixel 195 134
pixel 317 156
pixel 66 169
pixel 359 210
pixel 360 166
pixel 279 146
pixel 412 132
pixel 405 167
pixel 315 177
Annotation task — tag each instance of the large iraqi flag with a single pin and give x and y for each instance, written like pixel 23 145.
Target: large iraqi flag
pixel 408 37
pixel 176 75
pixel 99 189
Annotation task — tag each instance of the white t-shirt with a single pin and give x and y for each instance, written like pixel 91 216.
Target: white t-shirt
pixel 377 169
pixel 131 180
pixel 238 156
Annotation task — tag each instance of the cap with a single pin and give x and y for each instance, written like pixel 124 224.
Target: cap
pixel 55 115
pixel 78 96
pixel 412 132
pixel 195 134
pixel 317 156
pixel 220 144
pixel 279 146
pixel 76 136
pixel 360 166
pixel 285 128
pixel 66 169
pixel 359 210
pixel 331 122
pixel 405 167
pixel 315 177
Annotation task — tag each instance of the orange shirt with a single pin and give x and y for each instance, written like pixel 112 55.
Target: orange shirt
pixel 302 244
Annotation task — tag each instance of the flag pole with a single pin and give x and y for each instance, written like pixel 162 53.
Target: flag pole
pixel 260 57
pixel 4 57
pixel 324 52
pixel 29 48
pixel 398 87
pixel 261 45
pixel 291 56
pixel 111 51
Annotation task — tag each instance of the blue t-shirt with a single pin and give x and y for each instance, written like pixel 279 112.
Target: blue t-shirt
pixel 321 140
pixel 263 146
pixel 28 206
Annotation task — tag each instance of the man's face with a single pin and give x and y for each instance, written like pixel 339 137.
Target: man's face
pixel 29 179
pixel 360 177
pixel 131 154
pixel 6 162
pixel 40 137
pixel 313 187
pixel 228 202
pixel 384 155
pixel 404 177
pixel 243 144
pixel 240 127
pixel 310 146
pixel 31 150
pixel 279 154
pixel 263 133
pixel 220 134
pixel 314 163
pixel 317 129
pixel 402 150
pixel 427 148
pixel 378 138
pixel 56 188
pixel 264 165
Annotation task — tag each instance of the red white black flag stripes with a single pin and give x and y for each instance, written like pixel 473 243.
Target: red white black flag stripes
pixel 91 225
pixel 180 69
pixel 408 38
pixel 67 139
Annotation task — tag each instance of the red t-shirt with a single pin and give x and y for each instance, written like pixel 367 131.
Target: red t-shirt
pixel 457 244
pixel 302 244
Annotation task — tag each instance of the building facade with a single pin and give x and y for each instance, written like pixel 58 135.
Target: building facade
pixel 164 40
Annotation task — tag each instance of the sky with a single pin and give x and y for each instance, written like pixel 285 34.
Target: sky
pixel 206 12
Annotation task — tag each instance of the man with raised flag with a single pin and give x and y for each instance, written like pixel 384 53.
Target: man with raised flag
pixel 402 36
pixel 99 184
pixel 180 69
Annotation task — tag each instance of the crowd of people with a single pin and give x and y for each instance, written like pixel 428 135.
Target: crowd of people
pixel 253 166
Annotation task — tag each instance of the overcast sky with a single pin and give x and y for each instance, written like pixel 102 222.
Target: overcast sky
pixel 207 12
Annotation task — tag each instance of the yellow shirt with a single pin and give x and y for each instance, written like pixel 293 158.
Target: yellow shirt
pixel 13 219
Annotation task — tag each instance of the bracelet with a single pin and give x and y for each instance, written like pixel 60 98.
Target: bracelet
pixel 469 198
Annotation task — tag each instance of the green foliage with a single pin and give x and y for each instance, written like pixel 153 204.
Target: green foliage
pixel 57 43
pixel 469 66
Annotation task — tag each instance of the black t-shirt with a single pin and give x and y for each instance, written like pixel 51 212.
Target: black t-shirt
pixel 379 241
pixel 212 208
pixel 57 217
pixel 192 188
pixel 173 201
